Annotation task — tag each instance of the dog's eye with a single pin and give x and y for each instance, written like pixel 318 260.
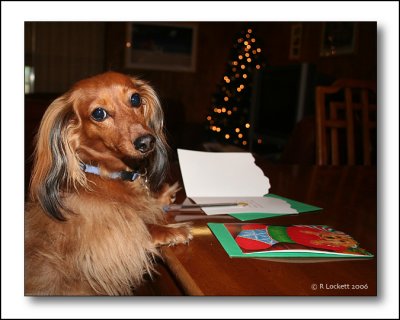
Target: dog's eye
pixel 99 114
pixel 136 101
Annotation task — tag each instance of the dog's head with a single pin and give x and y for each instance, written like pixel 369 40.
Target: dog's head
pixel 111 121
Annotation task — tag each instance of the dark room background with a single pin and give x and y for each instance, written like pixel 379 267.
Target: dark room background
pixel 59 53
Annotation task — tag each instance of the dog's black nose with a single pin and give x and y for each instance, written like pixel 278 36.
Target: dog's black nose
pixel 144 143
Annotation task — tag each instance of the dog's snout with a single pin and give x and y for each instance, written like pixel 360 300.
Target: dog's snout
pixel 144 143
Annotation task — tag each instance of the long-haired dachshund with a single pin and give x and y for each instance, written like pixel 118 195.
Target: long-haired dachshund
pixel 94 219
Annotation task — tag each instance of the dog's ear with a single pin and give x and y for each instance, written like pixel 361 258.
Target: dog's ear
pixel 158 166
pixel 56 166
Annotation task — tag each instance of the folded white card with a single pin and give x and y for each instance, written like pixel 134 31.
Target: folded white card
pixel 228 177
pixel 221 174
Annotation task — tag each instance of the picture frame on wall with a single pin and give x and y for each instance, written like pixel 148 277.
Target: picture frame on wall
pixel 161 46
pixel 339 38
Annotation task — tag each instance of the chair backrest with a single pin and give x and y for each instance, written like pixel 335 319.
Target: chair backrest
pixel 346 123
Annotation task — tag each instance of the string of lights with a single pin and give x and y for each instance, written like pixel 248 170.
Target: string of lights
pixel 229 116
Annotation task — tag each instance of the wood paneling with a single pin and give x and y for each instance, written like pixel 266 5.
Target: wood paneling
pixel 63 52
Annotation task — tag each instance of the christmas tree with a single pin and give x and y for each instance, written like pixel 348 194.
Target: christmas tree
pixel 228 120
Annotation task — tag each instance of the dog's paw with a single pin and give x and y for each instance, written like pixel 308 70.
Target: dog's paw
pixel 171 234
pixel 167 195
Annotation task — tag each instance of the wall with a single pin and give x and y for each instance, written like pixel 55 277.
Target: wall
pixel 361 65
pixel 63 52
pixel 193 91
pixel 190 89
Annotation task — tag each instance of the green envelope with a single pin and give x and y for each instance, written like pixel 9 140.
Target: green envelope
pixel 299 206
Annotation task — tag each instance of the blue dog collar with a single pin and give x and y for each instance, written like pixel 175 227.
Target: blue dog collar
pixel 123 175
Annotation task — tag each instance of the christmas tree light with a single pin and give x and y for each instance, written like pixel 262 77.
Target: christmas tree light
pixel 228 120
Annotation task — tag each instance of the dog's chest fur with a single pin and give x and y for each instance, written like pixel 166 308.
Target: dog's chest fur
pixel 107 229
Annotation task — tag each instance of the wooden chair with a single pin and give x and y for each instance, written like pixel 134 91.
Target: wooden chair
pixel 346 123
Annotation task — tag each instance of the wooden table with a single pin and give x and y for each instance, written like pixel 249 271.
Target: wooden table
pixel 348 196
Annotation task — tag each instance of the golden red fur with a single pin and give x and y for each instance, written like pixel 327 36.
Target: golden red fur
pixel 94 233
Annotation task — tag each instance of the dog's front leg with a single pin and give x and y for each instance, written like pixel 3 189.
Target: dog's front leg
pixel 170 234
pixel 167 193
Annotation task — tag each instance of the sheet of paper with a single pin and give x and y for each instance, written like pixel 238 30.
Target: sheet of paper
pixel 254 205
pixel 221 174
